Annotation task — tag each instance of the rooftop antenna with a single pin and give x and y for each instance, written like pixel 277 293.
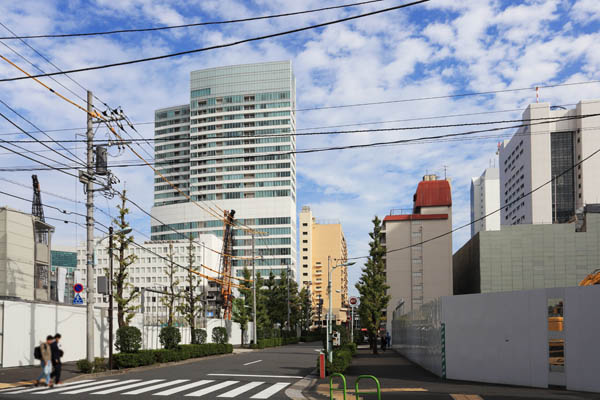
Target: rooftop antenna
pixel 445 176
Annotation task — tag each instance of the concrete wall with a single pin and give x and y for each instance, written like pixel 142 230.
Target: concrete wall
pixel 16 254
pixel 504 337
pixel 25 324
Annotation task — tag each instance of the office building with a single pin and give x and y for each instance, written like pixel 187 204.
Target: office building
pixel 25 244
pixel 62 273
pixel 149 268
pixel 229 149
pixel 532 256
pixel 485 199
pixel 323 245
pixel 422 271
pixel 544 149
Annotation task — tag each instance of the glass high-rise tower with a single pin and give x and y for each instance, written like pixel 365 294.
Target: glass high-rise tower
pixel 229 148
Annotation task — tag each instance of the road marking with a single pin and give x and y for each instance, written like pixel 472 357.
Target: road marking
pixel 181 388
pixel 211 389
pixel 63 389
pixel 241 389
pixel 466 397
pixel 133 385
pixel 90 389
pixel 270 391
pixel 21 390
pixel 159 386
pixel 11 386
pixel 260 376
pixel 253 362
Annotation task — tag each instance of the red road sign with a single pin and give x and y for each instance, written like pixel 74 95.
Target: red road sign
pixel 78 288
pixel 353 301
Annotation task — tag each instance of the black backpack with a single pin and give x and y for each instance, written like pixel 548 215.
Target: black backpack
pixel 37 353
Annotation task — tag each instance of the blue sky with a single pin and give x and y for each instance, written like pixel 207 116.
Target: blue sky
pixel 439 48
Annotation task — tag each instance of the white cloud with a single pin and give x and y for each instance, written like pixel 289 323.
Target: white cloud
pixel 586 11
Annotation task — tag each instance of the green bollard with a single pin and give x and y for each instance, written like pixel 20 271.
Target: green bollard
pixel 331 389
pixel 363 393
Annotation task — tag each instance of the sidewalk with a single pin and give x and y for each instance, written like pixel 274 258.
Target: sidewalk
pixel 400 378
pixel 18 376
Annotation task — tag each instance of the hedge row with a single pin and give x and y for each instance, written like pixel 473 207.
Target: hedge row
pixel 148 357
pixel 311 338
pixel 274 342
pixel 342 358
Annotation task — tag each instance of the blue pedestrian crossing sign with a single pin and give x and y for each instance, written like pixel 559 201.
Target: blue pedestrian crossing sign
pixel 77 299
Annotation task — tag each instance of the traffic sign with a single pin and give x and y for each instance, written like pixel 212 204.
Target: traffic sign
pixel 353 301
pixel 77 299
pixel 78 288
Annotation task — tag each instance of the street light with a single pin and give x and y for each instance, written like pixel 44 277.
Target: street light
pixel 110 235
pixel 329 327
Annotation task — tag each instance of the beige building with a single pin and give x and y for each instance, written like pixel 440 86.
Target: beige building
pixel 419 272
pixel 319 242
pixel 24 256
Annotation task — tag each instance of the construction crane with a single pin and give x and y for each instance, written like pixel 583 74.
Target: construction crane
pixel 37 210
pixel 226 298
pixel 591 279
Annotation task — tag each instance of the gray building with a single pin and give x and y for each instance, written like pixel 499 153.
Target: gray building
pixel 521 257
pixel 231 148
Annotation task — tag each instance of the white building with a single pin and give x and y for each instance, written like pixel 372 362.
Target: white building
pixel 544 149
pixel 148 270
pixel 229 149
pixel 485 199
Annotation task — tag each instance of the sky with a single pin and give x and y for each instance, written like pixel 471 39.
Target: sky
pixel 438 48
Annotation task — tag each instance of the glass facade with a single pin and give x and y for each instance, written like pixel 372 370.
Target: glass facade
pixel 563 189
pixel 232 142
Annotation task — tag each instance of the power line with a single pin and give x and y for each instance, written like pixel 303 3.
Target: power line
pixel 220 46
pixel 491 213
pixel 160 28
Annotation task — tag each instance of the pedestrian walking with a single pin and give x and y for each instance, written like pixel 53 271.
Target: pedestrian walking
pixel 382 342
pixel 44 354
pixel 388 340
pixel 57 354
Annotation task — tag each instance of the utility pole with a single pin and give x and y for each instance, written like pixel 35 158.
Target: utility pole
pixel 205 288
pixel 329 352
pixel 288 297
pixel 555 203
pixel 254 295
pixel 90 233
pixel 110 298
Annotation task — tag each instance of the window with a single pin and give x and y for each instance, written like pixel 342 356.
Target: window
pixel 304 224
pixel 305 249
pixel 556 344
pixel 304 233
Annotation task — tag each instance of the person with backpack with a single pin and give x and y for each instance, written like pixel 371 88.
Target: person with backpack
pixel 44 353
pixel 57 353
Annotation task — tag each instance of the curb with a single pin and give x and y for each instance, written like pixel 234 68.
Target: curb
pixel 144 368
pixel 301 389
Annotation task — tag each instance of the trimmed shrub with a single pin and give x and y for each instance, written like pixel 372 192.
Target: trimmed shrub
pixel 169 337
pixel 219 335
pixel 199 336
pixel 100 364
pixel 85 366
pixel 128 340
pixel 312 337
pixel 182 352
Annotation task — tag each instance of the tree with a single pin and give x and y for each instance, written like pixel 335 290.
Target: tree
pixel 305 308
pixel 172 281
pixel 123 291
pixel 263 322
pixel 241 315
pixel 190 306
pixel 372 287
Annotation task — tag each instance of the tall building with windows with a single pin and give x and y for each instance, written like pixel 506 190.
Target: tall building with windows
pixel 322 242
pixel 553 140
pixel 230 148
pixel 485 199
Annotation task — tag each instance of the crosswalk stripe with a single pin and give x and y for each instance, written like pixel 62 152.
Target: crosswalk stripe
pixel 270 391
pixel 241 389
pixel 63 389
pixel 154 387
pixel 182 388
pixel 133 385
pixel 91 389
pixel 21 390
pixel 211 389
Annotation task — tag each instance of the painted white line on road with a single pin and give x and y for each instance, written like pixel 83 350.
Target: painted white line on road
pixel 63 389
pixel 260 376
pixel 211 389
pixel 159 386
pixel 241 389
pixel 182 388
pixel 21 390
pixel 133 385
pixel 253 362
pixel 270 391
pixel 90 389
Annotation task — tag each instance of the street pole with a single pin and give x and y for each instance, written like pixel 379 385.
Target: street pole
pixel 90 233
pixel 288 297
pixel 110 298
pixel 329 352
pixel 205 288
pixel 254 296
pixel 352 324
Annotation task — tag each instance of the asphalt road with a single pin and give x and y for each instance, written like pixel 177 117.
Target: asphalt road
pixel 264 374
